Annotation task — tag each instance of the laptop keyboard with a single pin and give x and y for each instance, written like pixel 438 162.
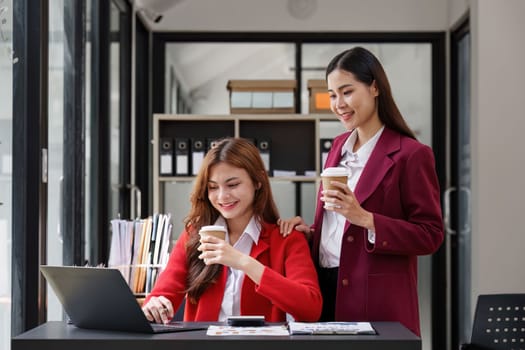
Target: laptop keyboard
pixel 173 327
pixel 158 327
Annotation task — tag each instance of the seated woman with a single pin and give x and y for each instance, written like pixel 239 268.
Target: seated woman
pixel 255 270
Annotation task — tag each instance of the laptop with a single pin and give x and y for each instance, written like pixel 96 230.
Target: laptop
pixel 100 298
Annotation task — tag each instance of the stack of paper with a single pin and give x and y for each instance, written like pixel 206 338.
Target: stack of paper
pixel 121 248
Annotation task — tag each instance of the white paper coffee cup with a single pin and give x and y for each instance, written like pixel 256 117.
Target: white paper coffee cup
pixel 333 174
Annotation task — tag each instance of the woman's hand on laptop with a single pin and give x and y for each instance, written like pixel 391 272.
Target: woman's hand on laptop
pixel 158 310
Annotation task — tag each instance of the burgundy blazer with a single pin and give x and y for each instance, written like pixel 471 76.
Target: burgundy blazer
pixel 378 282
pixel 289 281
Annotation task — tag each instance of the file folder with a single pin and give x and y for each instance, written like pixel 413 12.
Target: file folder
pixel 264 149
pixel 326 144
pixel 198 149
pixel 211 143
pixel 166 156
pixel 182 157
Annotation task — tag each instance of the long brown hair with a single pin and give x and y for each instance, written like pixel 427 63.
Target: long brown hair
pixel 367 69
pixel 239 153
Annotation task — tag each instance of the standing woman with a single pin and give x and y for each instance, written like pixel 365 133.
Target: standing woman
pixel 255 270
pixel 366 242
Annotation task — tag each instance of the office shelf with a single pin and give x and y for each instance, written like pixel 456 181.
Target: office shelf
pixel 293 142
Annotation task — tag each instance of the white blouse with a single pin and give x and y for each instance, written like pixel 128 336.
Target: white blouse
pixel 231 301
pixel 334 223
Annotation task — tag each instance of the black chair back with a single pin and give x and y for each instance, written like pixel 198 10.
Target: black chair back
pixel 499 322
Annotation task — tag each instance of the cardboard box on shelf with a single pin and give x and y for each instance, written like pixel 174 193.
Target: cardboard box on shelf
pixel 319 98
pixel 262 96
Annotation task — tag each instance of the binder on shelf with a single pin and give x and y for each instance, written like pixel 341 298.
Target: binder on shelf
pixel 326 144
pixel 198 150
pixel 211 143
pixel 264 149
pixel 166 156
pixel 182 157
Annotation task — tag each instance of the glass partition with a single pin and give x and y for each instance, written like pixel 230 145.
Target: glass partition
pixel 199 72
pixel 407 65
pixel 56 147
pixel 7 59
pixel 114 112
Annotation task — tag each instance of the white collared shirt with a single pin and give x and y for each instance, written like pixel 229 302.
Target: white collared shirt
pixel 231 301
pixel 334 223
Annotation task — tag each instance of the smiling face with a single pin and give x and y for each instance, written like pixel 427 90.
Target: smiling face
pixel 231 191
pixel 352 101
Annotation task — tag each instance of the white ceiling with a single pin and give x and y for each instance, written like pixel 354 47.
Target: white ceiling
pixel 222 15
pixel 298 15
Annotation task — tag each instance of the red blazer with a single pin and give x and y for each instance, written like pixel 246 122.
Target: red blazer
pixel 400 187
pixel 288 285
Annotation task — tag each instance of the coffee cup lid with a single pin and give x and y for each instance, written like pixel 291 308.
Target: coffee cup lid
pixel 213 228
pixel 335 171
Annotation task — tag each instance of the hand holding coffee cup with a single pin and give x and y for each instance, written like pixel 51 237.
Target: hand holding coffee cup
pixel 216 231
pixel 333 174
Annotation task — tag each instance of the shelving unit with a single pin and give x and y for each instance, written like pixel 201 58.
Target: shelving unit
pixel 294 143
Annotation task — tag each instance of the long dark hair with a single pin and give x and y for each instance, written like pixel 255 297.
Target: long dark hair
pixel 239 153
pixel 367 69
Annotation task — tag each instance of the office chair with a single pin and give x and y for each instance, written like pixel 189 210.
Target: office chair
pixel 499 323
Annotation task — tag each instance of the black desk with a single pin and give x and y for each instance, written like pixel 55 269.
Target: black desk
pixel 60 336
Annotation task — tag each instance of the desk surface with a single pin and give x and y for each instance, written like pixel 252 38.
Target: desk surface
pixel 59 335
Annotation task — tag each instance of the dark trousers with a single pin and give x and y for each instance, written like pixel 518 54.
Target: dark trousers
pixel 328 284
